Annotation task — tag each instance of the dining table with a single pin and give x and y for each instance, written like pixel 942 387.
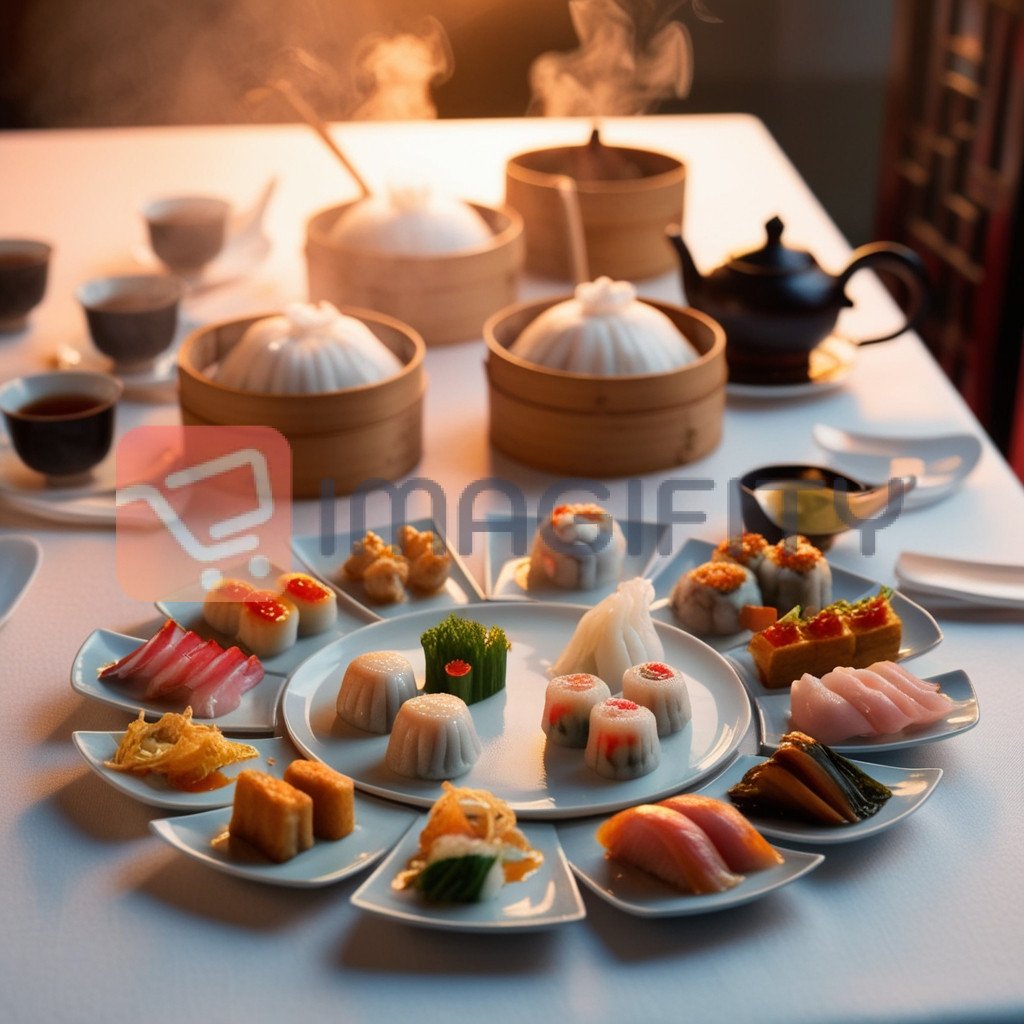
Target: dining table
pixel 923 921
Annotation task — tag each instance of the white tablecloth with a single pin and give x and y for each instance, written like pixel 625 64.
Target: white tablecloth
pixel 104 922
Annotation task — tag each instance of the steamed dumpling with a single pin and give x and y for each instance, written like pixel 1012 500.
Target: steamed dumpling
pixel 411 222
pixel 604 330
pixel 307 350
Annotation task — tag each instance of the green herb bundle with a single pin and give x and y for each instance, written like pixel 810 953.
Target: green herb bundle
pixel 484 649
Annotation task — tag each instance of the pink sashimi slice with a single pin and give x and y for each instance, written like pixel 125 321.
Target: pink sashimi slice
pixel 163 674
pixel 824 714
pixel 169 633
pixel 667 845
pixel 885 717
pixel 909 703
pixel 218 689
pixel 742 847
pixel 174 679
pixel 927 694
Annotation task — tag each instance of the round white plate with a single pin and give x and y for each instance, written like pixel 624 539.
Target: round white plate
pixel 547 898
pixel 275 755
pixel 19 563
pixel 831 363
pixel 773 716
pixel 537 780
pixel 203 837
pixel 636 892
pixel 255 714
pixel 324 557
pixel 910 788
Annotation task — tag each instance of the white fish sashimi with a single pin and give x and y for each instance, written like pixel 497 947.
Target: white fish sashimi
pixel 824 714
pixel 616 633
pixel 885 717
pixel 926 694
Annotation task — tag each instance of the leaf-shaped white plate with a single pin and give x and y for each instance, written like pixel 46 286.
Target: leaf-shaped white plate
pixel 203 837
pixel 19 562
pixel 255 714
pixel 636 892
pixel 910 788
pixel 547 898
pixel 992 584
pixel 324 557
pixel 507 562
pixel 773 717
pixel 275 754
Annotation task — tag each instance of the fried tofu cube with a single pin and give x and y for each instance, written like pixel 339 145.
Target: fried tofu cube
pixel 333 795
pixel 271 815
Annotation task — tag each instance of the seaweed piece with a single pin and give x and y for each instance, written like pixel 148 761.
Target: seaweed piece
pixel 485 650
pixel 456 879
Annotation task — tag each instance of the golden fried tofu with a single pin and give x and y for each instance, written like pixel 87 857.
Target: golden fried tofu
pixel 271 815
pixel 333 795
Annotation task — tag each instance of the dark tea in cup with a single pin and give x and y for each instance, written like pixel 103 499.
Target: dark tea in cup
pixel 24 266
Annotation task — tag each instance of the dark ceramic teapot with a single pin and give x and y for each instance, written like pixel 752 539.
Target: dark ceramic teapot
pixel 776 304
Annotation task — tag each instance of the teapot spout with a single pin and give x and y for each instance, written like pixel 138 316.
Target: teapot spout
pixel 692 279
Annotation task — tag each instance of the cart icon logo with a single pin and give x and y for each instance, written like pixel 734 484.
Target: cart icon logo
pixel 198 504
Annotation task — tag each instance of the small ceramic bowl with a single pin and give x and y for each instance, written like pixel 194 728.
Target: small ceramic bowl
pixel 187 232
pixel 132 319
pixel 24 265
pixel 61 424
pixel 778 501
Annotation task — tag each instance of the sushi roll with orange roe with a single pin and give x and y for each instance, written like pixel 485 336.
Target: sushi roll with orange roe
pixel 746 549
pixel 567 704
pixel 710 599
pixel 662 688
pixel 795 574
pixel 222 607
pixel 268 624
pixel 623 740
pixel 317 606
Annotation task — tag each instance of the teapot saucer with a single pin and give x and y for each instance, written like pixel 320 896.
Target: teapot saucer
pixel 830 364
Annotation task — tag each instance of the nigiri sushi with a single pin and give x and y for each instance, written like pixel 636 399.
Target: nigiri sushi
pixel 578 547
pixel 568 701
pixel 742 847
pixel 623 740
pixel 669 846
pixel 708 600
pixel 316 604
pixel 616 633
pixel 663 690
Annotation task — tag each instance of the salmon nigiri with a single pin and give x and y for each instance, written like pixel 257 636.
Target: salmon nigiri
pixel 742 847
pixel 667 845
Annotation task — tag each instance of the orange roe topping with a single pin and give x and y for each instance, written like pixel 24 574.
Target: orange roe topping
pixel 655 670
pixel 267 605
pixel 743 548
pixel 825 624
pixel 795 553
pixel 305 588
pixel 231 590
pixel 578 681
pixel 581 510
pixel 458 668
pixel 725 577
pixel 782 634
pixel 870 615
pixel 621 704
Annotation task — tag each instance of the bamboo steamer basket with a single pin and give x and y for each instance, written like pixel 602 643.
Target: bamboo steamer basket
pixel 583 425
pixel 446 298
pixel 348 436
pixel 623 221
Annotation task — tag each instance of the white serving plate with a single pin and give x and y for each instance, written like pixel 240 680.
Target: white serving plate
pixel 920 630
pixel 910 788
pixel 992 584
pixel 275 754
pixel 635 892
pixel 186 608
pixel 506 571
pixel 773 716
pixel 938 464
pixel 203 837
pixel 547 898
pixel 324 558
pixel 257 712
pixel 538 781
pixel 19 562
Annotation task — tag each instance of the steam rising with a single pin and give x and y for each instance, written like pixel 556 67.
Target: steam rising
pixel 622 66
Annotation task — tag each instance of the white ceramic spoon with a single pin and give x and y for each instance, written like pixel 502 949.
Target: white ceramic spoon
pixel 938 463
pixel 19 562
pixel 996 585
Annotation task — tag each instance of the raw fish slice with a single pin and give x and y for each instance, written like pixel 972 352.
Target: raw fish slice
pixel 742 847
pixel 224 682
pixel 667 845
pixel 884 716
pixel 171 670
pixel 926 694
pixel 907 702
pixel 169 633
pixel 822 713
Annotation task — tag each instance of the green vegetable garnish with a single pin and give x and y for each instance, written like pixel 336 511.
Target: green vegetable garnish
pixel 459 639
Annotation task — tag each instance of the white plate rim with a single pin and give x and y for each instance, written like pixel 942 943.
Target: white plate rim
pixel 916 570
pixel 29 567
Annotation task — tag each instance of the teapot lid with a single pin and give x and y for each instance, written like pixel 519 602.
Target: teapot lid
pixel 773 256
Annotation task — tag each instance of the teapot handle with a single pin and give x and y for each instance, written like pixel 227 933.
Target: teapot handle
pixel 907 266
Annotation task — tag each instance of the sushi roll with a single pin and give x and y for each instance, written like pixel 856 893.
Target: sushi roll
pixel 710 599
pixel 222 607
pixel 579 547
pixel 317 606
pixel 374 687
pixel 567 705
pixel 795 574
pixel 461 869
pixel 433 738
pixel 623 741
pixel 662 689
pixel 268 624
pixel 746 549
